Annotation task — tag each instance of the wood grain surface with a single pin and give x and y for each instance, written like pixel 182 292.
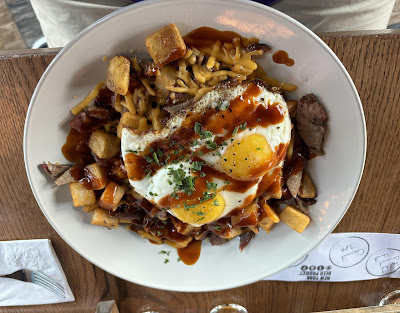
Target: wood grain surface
pixel 373 62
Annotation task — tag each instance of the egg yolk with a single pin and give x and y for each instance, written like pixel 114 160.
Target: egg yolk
pixel 248 158
pixel 202 213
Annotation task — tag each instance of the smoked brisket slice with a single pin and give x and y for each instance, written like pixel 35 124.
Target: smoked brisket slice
pixel 312 123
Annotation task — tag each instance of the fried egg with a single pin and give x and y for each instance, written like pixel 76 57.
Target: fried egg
pixel 211 157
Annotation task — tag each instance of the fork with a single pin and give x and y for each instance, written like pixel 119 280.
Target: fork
pixel 37 278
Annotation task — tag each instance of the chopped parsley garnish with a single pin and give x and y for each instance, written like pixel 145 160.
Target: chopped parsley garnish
pixel 159 233
pixel 132 151
pixel 211 186
pixel 195 142
pixel 160 153
pixel 182 182
pixel 259 120
pixel 202 174
pixel 258 148
pixel 196 166
pixel 187 207
pixel 220 105
pixel 243 126
pixel 216 203
pixel 217 228
pixel 199 213
pixel 155 157
pixel 163 252
pixel 227 183
pixel 235 131
pixel 166 261
pixel 203 134
pixel 211 145
pixel 179 259
pixel 224 108
pixel 153 194
pixel 148 159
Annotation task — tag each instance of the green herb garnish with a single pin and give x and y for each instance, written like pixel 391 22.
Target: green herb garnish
pixel 182 182
pixel 196 166
pixel 211 145
pixel 203 134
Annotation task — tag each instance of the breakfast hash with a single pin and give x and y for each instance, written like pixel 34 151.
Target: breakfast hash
pixel 196 143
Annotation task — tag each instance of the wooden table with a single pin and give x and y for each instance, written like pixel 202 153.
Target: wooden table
pixel 373 61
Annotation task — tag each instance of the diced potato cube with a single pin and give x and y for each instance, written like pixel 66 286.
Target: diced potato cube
pixel 89 208
pixel 100 217
pixel 254 229
pixel 266 224
pixel 270 218
pixel 149 236
pixel 166 45
pixel 270 213
pixel 104 145
pixel 111 196
pixel 307 188
pixel 294 218
pixel 99 177
pixel 118 75
pixel 232 233
pixel 274 191
pixel 134 121
pixel 179 245
pixel 81 195
pixel 247 217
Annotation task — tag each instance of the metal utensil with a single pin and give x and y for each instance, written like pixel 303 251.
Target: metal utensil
pixel 37 278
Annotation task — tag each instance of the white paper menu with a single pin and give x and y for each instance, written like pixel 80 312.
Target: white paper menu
pixel 347 257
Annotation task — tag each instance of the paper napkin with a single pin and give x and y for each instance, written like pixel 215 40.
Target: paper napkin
pixel 36 255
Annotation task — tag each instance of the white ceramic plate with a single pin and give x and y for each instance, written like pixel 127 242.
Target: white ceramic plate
pixel 123 253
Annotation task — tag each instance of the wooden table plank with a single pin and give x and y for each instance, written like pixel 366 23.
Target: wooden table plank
pixel 373 61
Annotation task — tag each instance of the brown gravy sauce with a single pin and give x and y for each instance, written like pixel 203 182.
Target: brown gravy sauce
pixel 76 149
pixel 80 173
pixel 205 37
pixel 282 57
pixel 191 253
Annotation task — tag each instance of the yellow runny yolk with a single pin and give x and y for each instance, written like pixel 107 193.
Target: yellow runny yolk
pixel 202 213
pixel 248 158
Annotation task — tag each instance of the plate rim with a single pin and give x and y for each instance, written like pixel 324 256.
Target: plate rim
pixel 155 2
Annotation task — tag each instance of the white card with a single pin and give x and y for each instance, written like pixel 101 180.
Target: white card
pixel 347 257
